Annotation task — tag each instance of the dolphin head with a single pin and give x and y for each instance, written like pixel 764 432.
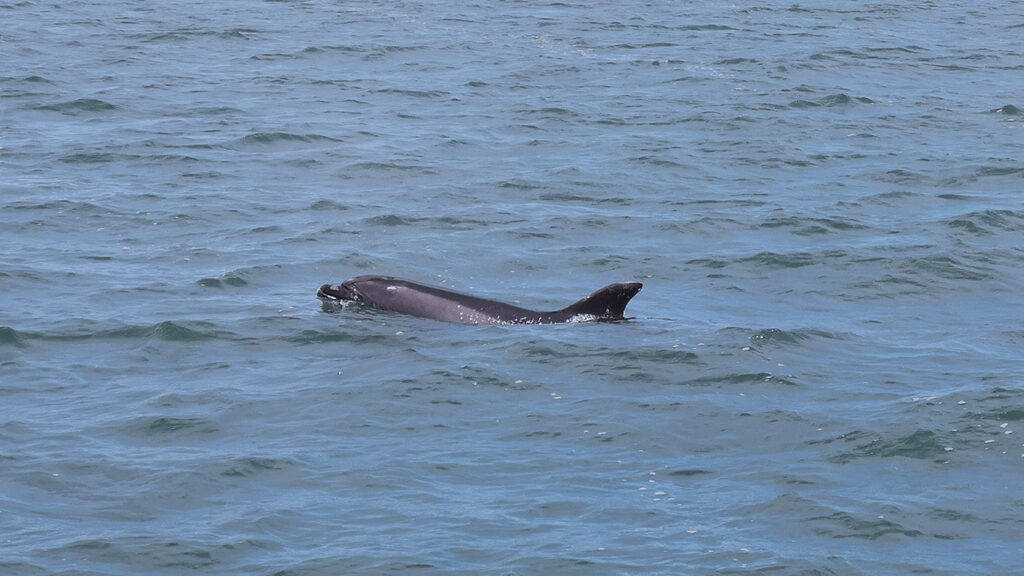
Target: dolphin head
pixel 344 292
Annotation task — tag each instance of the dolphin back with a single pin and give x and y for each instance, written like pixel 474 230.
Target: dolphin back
pixel 608 303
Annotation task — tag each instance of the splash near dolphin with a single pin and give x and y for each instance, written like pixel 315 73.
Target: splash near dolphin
pixel 387 293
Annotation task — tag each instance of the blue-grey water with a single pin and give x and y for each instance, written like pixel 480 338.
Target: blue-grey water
pixel 822 376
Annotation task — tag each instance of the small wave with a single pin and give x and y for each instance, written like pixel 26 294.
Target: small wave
pixel 165 158
pixel 226 280
pixel 688 472
pixel 518 185
pixel 846 525
pixel 215 111
pixel 269 138
pixel 91 158
pixel 167 331
pixel 175 332
pixel 80 106
pixel 166 427
pixel 387 220
pixel 250 467
pixel 705 28
pixel 921 445
pixel 321 205
pixel 776 260
pixel 986 171
pixel 338 335
pixel 333 48
pixel 11 337
pixel 415 93
pixel 757 378
pixel 734 61
pixel 1008 110
pixel 777 337
pixel 388 166
pixel 812 226
pixel 945 267
pixel 831 101
pixel 901 176
pixel 986 223
pixel 892 198
pixel 37 79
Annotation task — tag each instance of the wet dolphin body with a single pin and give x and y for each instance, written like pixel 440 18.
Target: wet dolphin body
pixel 407 297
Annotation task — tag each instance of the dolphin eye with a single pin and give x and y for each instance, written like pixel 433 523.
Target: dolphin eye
pixel 335 287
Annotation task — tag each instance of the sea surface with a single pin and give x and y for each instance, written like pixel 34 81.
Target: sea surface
pixel 823 374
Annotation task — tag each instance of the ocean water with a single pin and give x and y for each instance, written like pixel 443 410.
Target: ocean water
pixel 822 375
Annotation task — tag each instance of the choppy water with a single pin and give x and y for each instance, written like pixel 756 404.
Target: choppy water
pixel 823 373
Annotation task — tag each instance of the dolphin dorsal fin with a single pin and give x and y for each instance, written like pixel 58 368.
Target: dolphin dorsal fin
pixel 608 303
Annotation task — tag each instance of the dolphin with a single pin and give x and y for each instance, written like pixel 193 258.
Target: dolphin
pixel 424 301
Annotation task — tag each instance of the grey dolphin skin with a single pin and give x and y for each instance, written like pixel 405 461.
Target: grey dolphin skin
pixel 407 297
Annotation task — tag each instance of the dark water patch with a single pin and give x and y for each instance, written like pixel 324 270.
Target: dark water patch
pixel 80 106
pixel 920 445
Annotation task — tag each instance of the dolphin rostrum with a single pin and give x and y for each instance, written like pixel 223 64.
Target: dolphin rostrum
pixel 407 297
